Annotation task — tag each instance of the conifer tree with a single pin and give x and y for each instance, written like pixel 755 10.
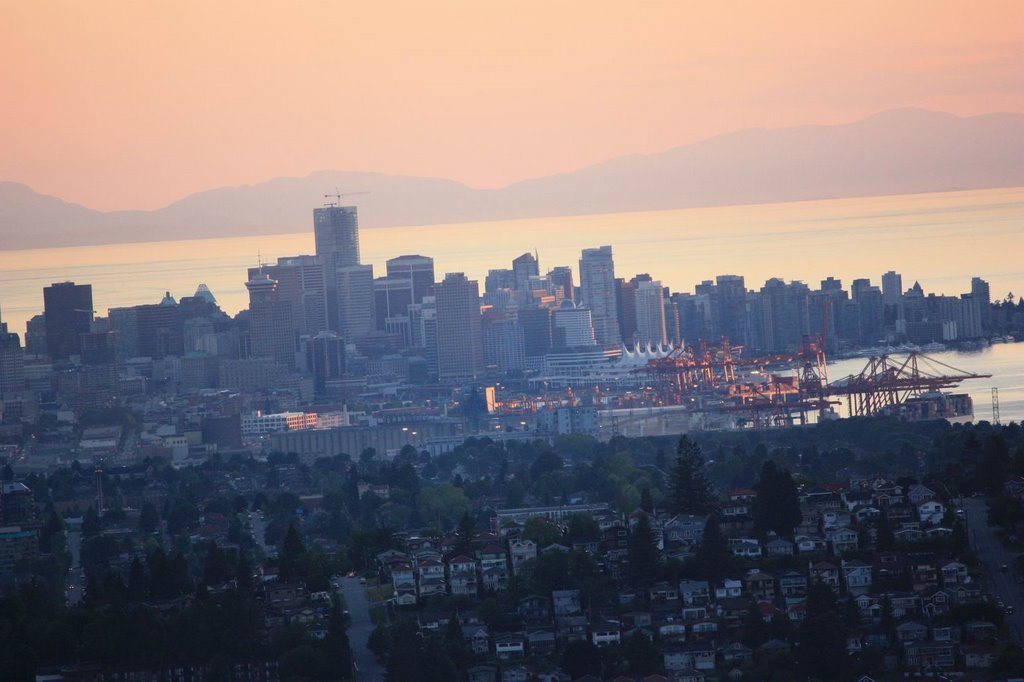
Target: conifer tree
pixel 691 490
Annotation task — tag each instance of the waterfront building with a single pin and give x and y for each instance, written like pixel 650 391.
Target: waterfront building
pixel 650 313
pixel 597 289
pixel 572 327
pixel 355 301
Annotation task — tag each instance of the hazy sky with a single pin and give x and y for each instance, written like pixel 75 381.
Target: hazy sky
pixel 136 104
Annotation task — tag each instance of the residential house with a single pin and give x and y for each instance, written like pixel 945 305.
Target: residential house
pixel 760 586
pixel 841 540
pixel 930 512
pixel 509 646
pixel 604 632
pixel 694 592
pixel 856 576
pixel 825 572
pixel 565 602
pixel 521 551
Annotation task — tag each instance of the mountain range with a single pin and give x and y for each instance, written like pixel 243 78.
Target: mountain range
pixel 902 151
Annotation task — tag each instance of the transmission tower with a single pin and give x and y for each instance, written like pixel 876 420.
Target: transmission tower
pixel 995 404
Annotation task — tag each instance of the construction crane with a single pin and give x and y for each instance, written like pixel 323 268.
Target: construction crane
pixel 338 195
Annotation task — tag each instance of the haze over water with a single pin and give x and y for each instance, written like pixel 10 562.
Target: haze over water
pixel 941 240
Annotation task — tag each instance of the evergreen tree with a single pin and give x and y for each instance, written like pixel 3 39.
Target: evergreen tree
pixel 713 559
pixel 293 551
pixel 691 490
pixel 777 506
pixel 643 553
pixel 646 503
pixel 642 656
pixel 149 518
pixel 90 524
pixel 216 568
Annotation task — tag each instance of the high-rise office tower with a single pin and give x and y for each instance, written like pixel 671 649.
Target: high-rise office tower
pixel 354 287
pixel 459 344
pixel 729 307
pixel 392 296
pixel 271 322
pixel 980 292
pixel 625 308
pixel 423 330
pixel 523 268
pixel 572 327
pixel 12 362
pixel 336 231
pixel 502 341
pixel 892 288
pixel 536 324
pixel 501 278
pixel 301 281
pixel 650 313
pixel 561 278
pixel 325 358
pixel 597 289
pixel 418 269
pixel 68 312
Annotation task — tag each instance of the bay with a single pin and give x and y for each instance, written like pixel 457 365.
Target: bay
pixel 939 239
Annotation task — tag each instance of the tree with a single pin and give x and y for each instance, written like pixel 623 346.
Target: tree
pixel 777 506
pixel 582 658
pixel 149 518
pixel 444 504
pixel 90 524
pixel 713 559
pixel 541 531
pixel 216 568
pixel 642 656
pixel 643 553
pixel 822 649
pixel 646 502
pixel 545 462
pixel 691 491
pixel 293 552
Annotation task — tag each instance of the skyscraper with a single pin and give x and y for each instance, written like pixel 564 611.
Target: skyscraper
pixel 68 311
pixel 417 269
pixel 561 278
pixel 12 363
pixel 301 281
pixel 728 307
pixel 325 358
pixel 892 288
pixel 572 327
pixel 980 293
pixel 336 231
pixel 523 268
pixel 271 321
pixel 597 289
pixel 650 313
pixel 459 343
pixel 354 287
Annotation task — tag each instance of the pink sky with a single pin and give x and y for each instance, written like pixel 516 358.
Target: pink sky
pixel 136 104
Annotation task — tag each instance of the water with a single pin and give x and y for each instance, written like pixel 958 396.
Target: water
pixel 1004 361
pixel 941 240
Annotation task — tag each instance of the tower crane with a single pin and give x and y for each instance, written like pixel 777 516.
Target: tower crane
pixel 338 195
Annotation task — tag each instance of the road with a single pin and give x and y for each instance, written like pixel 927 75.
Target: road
pixel 359 629
pixel 994 556
pixel 74 588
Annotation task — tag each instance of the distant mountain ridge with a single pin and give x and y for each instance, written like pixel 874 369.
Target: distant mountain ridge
pixel 903 151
